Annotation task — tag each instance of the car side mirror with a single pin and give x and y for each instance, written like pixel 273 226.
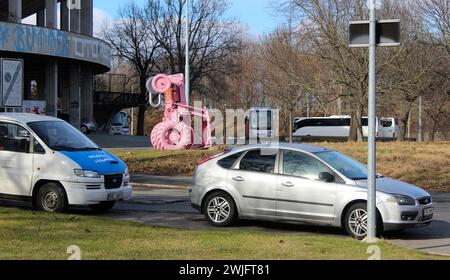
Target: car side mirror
pixel 326 176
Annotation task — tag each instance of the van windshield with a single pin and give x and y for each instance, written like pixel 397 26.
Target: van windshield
pixel 61 136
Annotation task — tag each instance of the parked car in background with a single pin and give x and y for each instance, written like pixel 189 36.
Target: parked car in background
pixel 120 124
pixel 50 163
pixel 88 126
pixel 309 184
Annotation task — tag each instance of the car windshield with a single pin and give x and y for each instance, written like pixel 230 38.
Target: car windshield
pixel 349 167
pixel 61 136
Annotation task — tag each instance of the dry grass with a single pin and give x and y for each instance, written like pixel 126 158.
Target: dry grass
pixel 426 165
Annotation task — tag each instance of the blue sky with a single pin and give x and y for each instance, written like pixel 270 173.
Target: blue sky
pixel 255 14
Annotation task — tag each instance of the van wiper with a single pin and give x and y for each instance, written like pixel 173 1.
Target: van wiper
pixel 89 149
pixel 63 148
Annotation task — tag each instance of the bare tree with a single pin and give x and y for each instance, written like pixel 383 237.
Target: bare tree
pixel 132 40
pixel 213 38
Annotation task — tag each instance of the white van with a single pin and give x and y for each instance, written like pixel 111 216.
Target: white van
pixel 48 162
pixel 389 128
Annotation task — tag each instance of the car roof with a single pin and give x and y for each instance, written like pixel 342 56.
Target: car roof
pixel 295 146
pixel 25 118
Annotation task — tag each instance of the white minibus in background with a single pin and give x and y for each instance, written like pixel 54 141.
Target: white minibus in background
pixel 339 126
pixel 120 124
pixel 260 123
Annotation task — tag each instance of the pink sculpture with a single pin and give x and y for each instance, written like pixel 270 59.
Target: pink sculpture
pixel 176 131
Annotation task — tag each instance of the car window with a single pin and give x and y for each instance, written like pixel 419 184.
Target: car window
pixel 302 165
pixel 14 138
pixel 229 161
pixel 259 161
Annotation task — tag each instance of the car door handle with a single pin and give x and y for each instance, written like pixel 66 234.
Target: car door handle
pixel 238 178
pixel 288 184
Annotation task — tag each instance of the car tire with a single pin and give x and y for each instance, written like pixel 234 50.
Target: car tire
pixel 102 207
pixel 51 198
pixel 220 209
pixel 356 218
pixel 84 129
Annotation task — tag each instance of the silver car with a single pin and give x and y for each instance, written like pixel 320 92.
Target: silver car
pixel 308 184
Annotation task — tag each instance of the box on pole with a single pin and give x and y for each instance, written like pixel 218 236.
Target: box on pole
pixel 12 80
pixel 387 33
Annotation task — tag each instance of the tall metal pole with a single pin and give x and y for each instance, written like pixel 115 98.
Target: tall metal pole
pixel 371 189
pixel 187 70
pixel 420 136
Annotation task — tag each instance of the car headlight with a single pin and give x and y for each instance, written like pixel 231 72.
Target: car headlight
pixel 86 173
pixel 404 199
pixel 127 172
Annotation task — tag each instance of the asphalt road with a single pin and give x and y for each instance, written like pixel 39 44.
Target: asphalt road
pixel 108 141
pixel 171 207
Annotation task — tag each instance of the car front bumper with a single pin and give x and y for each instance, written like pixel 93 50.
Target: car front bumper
pixel 397 217
pixel 81 194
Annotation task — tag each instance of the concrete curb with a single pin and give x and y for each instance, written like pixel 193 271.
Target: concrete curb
pixel 159 186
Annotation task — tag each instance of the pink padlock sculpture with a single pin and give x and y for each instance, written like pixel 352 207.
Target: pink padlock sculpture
pixel 175 132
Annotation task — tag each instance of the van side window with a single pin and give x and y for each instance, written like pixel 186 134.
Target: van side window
pixel 259 161
pixel 14 138
pixel 38 149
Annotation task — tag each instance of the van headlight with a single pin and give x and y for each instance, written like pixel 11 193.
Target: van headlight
pixel 86 173
pixel 127 172
pixel 404 199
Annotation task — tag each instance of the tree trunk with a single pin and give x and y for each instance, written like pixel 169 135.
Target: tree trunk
pixel 403 125
pixel 356 133
pixel 141 113
pixel 141 121
pixel 290 127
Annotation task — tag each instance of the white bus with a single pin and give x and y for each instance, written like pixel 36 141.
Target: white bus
pixel 339 126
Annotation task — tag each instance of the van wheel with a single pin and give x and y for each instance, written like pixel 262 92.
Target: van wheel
pixel 356 220
pixel 51 198
pixel 102 207
pixel 220 209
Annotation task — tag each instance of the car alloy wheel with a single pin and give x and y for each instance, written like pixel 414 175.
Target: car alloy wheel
pixel 219 209
pixel 358 222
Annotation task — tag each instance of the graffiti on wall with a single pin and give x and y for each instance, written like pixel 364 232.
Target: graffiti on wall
pixel 44 41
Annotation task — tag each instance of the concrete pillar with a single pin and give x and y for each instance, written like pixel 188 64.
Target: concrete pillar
pixel 51 69
pixel 64 91
pixel 51 88
pixel 15 10
pixel 75 95
pixel 87 96
pixel 87 28
pixel 40 18
pixel 75 21
pixel 87 17
pixel 51 19
pixel 64 16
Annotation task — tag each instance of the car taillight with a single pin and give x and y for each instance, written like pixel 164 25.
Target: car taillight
pixel 211 158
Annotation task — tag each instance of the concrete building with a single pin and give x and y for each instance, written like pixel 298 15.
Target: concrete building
pixel 60 53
